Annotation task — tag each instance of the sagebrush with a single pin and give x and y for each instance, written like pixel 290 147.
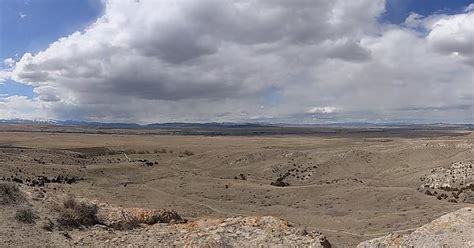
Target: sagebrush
pixel 10 193
pixel 76 214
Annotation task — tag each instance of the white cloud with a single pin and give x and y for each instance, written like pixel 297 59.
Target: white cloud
pixel 9 62
pixel 322 110
pixel 222 60
pixel 454 34
pixel 414 20
pixel 4 75
pixel 470 7
pixel 22 15
pixel 12 107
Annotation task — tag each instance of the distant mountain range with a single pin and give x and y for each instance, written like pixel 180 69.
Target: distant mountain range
pixel 171 125
pixel 208 125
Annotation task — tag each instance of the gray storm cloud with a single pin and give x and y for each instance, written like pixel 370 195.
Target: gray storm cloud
pixel 152 61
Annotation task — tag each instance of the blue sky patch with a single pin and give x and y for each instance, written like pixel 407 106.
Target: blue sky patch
pixel 396 11
pixel 30 26
pixel 10 87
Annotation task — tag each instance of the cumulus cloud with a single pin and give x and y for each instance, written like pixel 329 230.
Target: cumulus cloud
pixel 470 7
pixel 414 20
pixel 454 35
pixel 9 62
pixel 322 110
pixel 5 73
pixel 347 50
pixel 12 107
pixel 152 61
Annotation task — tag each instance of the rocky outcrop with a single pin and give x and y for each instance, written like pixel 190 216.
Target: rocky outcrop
pixel 455 229
pixel 237 231
pixel 454 184
pixel 266 231
pixel 115 216
pixel 280 183
pixel 142 227
pixel 246 231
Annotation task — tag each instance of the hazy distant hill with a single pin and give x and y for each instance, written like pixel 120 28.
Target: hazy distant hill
pixel 232 125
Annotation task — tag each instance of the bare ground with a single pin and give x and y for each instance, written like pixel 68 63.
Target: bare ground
pixel 350 188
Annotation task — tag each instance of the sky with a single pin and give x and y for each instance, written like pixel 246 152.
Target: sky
pixel 302 61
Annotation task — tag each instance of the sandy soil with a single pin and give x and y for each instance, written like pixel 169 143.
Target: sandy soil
pixel 348 188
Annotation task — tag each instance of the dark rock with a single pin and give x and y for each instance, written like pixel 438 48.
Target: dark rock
pixel 280 183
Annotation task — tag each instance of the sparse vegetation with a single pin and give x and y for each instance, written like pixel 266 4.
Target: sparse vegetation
pixel 187 153
pixel 48 225
pixel 10 193
pixel 333 176
pixel 241 177
pixel 113 152
pixel 280 183
pixel 129 223
pixel 165 217
pixel 26 215
pixel 76 214
pixel 162 150
pixel 130 151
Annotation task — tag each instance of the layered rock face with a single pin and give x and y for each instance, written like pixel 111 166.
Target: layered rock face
pixel 455 184
pixel 455 229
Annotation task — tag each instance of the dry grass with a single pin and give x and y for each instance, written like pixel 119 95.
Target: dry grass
pixel 162 150
pixel 76 214
pixel 130 151
pixel 48 225
pixel 26 215
pixel 10 194
pixel 188 153
pixel 128 224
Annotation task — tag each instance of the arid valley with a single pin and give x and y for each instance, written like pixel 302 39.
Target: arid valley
pixel 347 186
pixel 242 123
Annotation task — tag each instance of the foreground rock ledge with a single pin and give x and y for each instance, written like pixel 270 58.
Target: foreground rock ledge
pixel 266 231
pixel 239 231
pixel 247 231
pixel 455 229
pixel 152 228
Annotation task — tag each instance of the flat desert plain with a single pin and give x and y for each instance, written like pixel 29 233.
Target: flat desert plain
pixel 350 187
